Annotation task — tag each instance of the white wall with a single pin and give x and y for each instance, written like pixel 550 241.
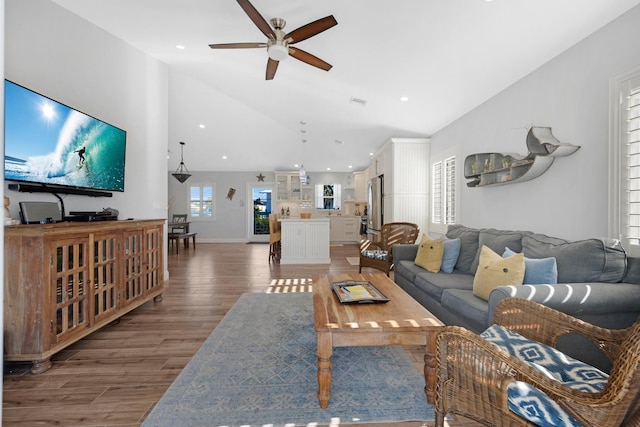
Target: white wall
pixel 571 95
pixel 57 54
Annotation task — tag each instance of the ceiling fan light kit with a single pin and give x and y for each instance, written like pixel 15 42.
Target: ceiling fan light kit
pixel 278 43
pixel 277 50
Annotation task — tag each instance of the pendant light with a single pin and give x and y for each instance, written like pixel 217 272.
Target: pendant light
pixel 303 175
pixel 182 173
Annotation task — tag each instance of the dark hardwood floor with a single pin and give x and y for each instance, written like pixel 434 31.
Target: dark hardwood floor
pixel 115 376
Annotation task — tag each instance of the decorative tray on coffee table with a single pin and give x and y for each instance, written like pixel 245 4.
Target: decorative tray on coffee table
pixel 358 292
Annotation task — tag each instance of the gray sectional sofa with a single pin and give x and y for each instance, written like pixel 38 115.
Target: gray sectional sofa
pixel 596 282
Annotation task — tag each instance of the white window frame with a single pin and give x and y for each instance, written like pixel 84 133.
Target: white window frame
pixel 201 186
pixel 620 87
pixel 444 192
pixel 320 197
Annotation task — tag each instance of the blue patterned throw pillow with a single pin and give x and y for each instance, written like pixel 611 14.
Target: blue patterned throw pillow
pixel 530 402
pixel 551 362
pixel 535 406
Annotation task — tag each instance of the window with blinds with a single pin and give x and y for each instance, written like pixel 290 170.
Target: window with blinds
pixel 443 192
pixel 201 201
pixel 631 127
pixel 436 193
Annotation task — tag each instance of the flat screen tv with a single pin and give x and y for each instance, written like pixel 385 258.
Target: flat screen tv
pixel 46 142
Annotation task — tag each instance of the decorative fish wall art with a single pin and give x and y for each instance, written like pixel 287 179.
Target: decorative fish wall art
pixel 504 168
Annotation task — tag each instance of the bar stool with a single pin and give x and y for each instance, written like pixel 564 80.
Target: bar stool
pixel 274 237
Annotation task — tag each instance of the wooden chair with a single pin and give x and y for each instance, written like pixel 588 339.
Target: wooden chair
pixel 275 235
pixel 179 219
pixel 474 375
pixel 378 254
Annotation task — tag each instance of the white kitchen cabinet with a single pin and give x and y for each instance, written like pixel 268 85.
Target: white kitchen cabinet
pixel 305 241
pixel 288 187
pixel 345 229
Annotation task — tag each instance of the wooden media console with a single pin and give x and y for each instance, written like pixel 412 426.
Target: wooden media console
pixel 66 280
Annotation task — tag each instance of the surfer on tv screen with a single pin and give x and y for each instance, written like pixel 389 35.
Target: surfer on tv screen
pixel 81 155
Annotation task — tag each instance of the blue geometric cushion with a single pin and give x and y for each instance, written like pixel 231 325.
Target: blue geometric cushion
pixel 548 360
pixel 530 402
pixel 378 254
pixel 535 406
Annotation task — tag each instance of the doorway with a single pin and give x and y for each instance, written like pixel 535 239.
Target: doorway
pixel 259 210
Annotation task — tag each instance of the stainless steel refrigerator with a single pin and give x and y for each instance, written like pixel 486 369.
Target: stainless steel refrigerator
pixel 375 203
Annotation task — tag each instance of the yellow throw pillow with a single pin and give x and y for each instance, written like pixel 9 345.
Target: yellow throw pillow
pixel 494 271
pixel 429 254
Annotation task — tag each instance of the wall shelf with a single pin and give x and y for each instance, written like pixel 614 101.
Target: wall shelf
pixel 485 169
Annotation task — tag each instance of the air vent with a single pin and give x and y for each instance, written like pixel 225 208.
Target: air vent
pixel 358 101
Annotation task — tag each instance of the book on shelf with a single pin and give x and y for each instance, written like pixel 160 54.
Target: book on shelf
pixel 358 291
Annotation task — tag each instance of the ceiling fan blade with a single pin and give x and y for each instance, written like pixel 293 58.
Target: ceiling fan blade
pixel 310 59
pixel 311 29
pixel 237 45
pixel 272 67
pixel 257 19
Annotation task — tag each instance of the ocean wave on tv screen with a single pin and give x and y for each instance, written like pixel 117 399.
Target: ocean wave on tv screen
pixel 100 165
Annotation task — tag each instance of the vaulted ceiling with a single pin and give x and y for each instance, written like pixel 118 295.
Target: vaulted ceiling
pixel 445 56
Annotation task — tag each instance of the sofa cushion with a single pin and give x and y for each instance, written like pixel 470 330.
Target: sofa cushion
pixel 429 254
pixel 407 269
pixel 494 271
pixel 582 261
pixel 433 284
pixel 468 248
pixel 497 241
pixel 468 307
pixel 450 255
pixel 579 299
pixel 537 270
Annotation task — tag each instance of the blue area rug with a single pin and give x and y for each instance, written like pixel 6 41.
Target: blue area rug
pixel 259 366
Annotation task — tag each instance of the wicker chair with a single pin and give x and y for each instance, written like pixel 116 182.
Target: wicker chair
pixel 473 374
pixel 378 254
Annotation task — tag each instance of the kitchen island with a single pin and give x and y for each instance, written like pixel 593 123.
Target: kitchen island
pixel 305 240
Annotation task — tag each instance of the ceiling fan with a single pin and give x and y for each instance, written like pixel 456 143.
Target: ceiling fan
pixel 279 44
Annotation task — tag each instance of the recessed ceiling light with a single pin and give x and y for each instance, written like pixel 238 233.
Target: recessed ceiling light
pixel 296 165
pixel 371 154
pixel 350 166
pixel 224 157
pixel 328 169
pixel 179 46
pixel 404 98
pixel 201 126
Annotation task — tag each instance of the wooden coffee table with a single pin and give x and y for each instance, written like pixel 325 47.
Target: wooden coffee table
pixel 401 321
